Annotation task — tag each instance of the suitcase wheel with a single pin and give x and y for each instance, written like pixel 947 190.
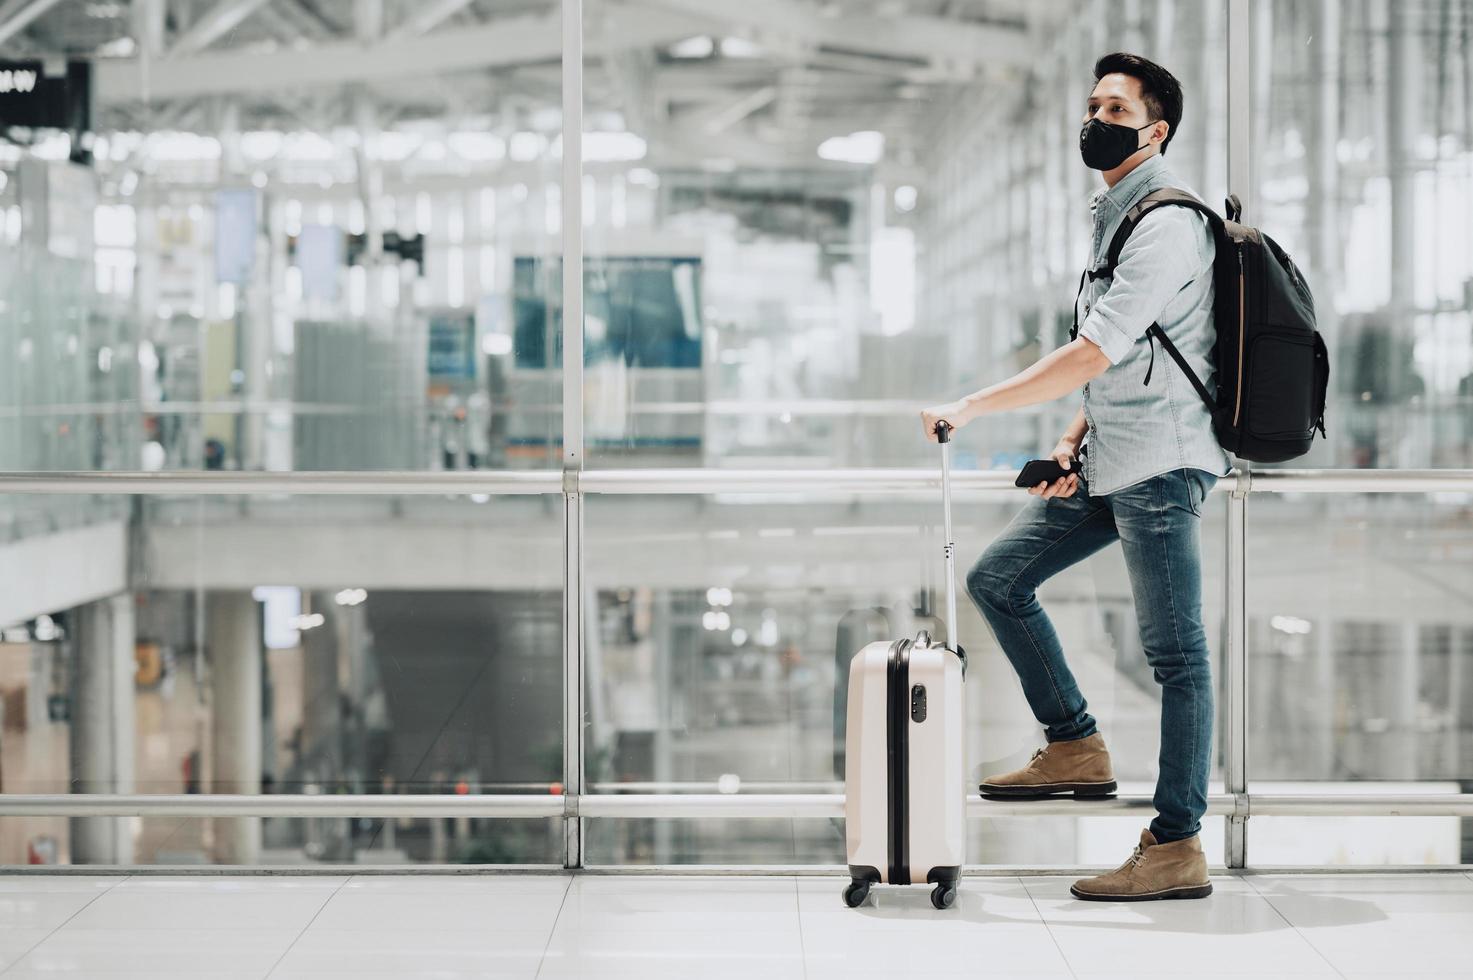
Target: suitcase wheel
pixel 856 893
pixel 943 895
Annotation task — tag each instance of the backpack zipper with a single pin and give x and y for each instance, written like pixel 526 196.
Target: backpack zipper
pixel 1238 406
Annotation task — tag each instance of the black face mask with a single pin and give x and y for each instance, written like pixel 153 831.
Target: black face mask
pixel 1106 146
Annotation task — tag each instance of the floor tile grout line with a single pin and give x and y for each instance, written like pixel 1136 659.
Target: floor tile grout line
pixel 798 908
pixel 1307 941
pixel 63 924
pixel 341 885
pixel 542 960
pixel 1055 939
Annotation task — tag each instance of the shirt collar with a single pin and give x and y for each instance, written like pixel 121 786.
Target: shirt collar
pixel 1126 187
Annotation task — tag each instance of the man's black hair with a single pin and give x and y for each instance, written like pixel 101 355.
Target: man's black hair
pixel 1160 90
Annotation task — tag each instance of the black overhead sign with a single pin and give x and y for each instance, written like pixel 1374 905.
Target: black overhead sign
pixel 30 97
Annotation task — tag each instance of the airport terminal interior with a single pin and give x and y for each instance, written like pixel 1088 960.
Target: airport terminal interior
pixel 359 615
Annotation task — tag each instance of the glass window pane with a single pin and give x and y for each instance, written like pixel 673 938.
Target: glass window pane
pixel 1323 842
pixel 719 653
pixel 286 645
pixel 1363 171
pixel 1360 660
pixel 797 235
pixel 322 273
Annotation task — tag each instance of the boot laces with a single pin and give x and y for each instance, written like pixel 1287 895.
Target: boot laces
pixel 1136 856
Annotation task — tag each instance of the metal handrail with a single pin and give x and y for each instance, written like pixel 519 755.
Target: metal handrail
pixel 281 805
pixel 810 482
pixel 692 805
pixel 928 481
pixel 483 871
pixel 237 483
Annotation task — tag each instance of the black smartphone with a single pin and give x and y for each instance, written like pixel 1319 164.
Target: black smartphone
pixel 1037 471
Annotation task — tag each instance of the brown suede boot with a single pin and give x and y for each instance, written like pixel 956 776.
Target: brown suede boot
pixel 1177 869
pixel 1081 766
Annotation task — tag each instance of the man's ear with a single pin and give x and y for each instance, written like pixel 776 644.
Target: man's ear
pixel 1164 128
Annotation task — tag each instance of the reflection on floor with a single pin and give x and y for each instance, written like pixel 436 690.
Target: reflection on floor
pixel 555 926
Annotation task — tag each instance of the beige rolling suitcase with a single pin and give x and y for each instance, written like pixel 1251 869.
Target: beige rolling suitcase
pixel 904 785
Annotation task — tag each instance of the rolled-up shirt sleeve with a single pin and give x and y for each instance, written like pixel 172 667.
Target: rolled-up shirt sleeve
pixel 1168 249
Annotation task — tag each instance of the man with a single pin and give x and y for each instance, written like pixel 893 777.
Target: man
pixel 1149 458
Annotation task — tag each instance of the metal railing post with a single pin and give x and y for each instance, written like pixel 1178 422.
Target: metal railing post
pixel 1235 715
pixel 572 455
pixel 1240 182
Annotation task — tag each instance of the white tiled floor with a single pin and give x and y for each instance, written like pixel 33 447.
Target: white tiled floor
pixel 661 928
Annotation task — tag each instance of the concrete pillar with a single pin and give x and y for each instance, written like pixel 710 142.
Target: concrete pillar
pixel 38 687
pixel 1208 131
pixel 1322 216
pixel 353 680
pixel 335 686
pixel 667 636
pixel 1402 756
pixel 439 839
pixel 1403 102
pixel 1322 740
pixel 1457 700
pixel 233 642
pixel 1260 68
pixel 322 728
pixel 321 718
pixel 1101 27
pixel 1163 28
pixel 1132 37
pixel 102 725
pixel 368 19
pixel 149 28
pixel 598 732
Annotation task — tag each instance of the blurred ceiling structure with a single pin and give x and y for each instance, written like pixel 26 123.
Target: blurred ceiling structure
pixel 756 82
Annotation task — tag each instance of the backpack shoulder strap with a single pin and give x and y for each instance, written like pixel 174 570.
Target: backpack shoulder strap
pixel 1170 348
pixel 1165 197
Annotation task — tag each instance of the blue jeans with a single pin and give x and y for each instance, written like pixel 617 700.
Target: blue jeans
pixel 1158 524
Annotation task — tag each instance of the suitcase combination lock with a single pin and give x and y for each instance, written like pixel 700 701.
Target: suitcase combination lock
pixel 918 703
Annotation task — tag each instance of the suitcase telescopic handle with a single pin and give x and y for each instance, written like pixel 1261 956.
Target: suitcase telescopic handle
pixel 943 436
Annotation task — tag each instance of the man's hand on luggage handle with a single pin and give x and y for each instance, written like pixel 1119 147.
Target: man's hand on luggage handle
pixel 955 414
pixel 1065 486
pixel 959 413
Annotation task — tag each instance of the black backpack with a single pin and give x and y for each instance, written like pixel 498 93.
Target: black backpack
pixel 1271 364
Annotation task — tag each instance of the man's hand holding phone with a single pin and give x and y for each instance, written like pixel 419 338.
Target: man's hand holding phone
pixel 1065 454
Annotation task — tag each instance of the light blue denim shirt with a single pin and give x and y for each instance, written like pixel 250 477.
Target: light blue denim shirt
pixel 1164 275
